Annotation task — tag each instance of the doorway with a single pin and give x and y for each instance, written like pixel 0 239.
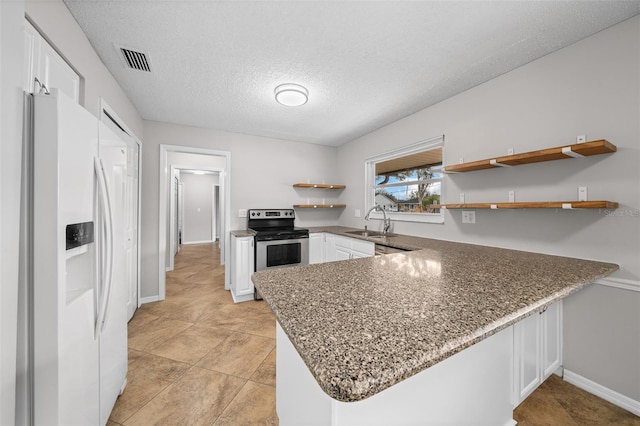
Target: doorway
pixel 194 207
pixel 176 157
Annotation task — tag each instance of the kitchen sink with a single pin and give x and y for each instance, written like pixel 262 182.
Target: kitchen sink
pixel 371 234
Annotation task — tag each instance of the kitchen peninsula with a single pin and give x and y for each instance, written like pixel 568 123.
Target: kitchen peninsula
pixel 422 337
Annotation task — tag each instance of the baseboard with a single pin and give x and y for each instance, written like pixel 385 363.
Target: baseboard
pixel 149 299
pixel 243 298
pixel 197 242
pixel 607 394
pixel 632 285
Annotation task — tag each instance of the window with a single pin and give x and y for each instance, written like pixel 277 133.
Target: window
pixel 407 182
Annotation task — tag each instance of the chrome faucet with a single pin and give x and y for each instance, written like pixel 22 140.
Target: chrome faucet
pixel 387 221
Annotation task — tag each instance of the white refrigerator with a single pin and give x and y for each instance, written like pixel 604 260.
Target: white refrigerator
pixel 78 344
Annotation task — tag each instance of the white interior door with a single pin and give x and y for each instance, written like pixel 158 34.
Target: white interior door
pixel 132 183
pixel 131 204
pixel 176 215
pixel 222 232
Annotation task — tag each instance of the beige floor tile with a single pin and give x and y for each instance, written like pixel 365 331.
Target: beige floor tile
pixel 183 308
pixel 140 320
pixel 147 376
pixel 154 331
pixel 239 355
pixel 585 408
pixel 542 408
pixel 191 344
pixel 261 399
pixel 266 373
pixel 198 398
pixel 231 316
pixel 259 323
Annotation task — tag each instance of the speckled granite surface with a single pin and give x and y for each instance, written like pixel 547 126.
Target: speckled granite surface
pixel 243 233
pixel 363 325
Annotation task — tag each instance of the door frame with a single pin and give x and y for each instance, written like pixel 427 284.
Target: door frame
pixel 173 244
pixel 225 187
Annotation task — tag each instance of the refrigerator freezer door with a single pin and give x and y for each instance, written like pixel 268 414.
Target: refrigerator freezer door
pixel 65 347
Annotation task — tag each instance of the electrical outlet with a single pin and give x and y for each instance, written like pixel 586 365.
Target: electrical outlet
pixel 462 198
pixel 357 213
pixel 468 216
pixel 582 193
pixel 512 196
pixel 510 151
pixel 581 138
pixel 242 213
pixel 461 160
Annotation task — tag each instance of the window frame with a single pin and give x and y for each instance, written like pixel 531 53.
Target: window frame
pixel 370 184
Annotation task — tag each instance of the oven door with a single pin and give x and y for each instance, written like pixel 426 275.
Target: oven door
pixel 281 253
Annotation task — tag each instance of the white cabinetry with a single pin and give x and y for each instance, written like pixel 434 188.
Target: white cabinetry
pixel 242 266
pixel 316 247
pixel 330 247
pixel 352 248
pixel 537 350
pixel 43 63
pixel 326 247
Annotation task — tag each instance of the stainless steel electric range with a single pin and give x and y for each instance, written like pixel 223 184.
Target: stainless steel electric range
pixel 278 243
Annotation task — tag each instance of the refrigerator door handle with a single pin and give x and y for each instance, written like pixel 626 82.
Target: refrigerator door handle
pixel 105 203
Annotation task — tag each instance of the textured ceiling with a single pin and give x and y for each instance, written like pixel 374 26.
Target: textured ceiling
pixel 215 64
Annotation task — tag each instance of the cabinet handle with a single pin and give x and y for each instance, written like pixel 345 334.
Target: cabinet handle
pixel 543 310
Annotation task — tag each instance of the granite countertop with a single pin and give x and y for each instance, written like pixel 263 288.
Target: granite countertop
pixel 243 233
pixel 363 325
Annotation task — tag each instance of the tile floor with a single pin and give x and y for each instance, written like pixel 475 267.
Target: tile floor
pixel 197 358
pixel 559 403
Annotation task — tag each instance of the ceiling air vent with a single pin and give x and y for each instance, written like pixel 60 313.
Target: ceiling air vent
pixel 135 60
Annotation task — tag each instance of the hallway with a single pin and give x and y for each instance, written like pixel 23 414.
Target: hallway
pixel 197 358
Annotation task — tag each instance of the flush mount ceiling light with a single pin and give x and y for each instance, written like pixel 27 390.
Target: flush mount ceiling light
pixel 291 94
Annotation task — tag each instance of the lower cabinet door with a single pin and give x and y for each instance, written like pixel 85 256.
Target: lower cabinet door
pixel 537 350
pixel 316 248
pixel 527 363
pixel 551 339
pixel 329 248
pixel 242 251
pixel 342 253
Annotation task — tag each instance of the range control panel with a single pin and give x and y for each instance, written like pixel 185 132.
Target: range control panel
pixel 79 234
pixel 271 214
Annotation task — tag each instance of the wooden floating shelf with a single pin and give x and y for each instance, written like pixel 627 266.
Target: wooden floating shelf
pixel 319 206
pixel 537 205
pixel 318 185
pixel 558 153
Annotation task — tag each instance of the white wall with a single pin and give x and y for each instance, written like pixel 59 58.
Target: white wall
pixel 198 207
pixel 53 19
pixel 262 170
pixel 11 101
pixel 592 88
